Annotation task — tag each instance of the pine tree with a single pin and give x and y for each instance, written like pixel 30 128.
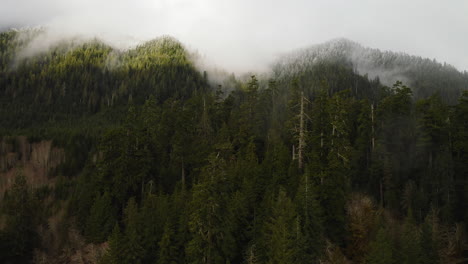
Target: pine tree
pixel 364 146
pixel 168 251
pixel 395 143
pixel 429 249
pixel 154 213
pixel 435 158
pixel 19 235
pixel 410 251
pixel 310 215
pixel 459 123
pixel 209 222
pixel 101 219
pixel 181 209
pixel 380 250
pixel 283 232
pixel 133 250
pixel 319 138
pixel 335 183
pixel 114 254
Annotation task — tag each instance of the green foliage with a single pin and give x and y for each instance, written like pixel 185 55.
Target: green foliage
pixel 429 245
pixel 310 215
pixel 460 155
pixel 19 236
pixel 410 251
pixel 209 224
pixel 75 80
pixel 168 252
pixel 169 169
pixel 133 250
pixel 114 254
pixel 154 216
pixel 395 143
pixel 101 219
pixel 381 249
pixel 283 232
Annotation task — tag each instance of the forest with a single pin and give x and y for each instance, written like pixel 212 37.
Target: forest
pixel 315 162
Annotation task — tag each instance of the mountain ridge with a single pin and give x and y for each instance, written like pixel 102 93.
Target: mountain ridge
pixel 424 75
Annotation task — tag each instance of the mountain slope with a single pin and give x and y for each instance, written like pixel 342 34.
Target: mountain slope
pixel 78 78
pixel 113 156
pixel 425 76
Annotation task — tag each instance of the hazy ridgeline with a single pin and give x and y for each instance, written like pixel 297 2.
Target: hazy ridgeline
pixel 147 157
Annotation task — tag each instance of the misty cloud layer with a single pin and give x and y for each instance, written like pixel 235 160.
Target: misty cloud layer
pixel 246 35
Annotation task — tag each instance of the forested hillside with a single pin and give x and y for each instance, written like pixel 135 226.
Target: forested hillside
pixel 77 79
pixel 425 76
pixel 316 163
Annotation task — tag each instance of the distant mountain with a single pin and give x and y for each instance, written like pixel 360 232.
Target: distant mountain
pixel 75 77
pixel 425 76
pixel 71 78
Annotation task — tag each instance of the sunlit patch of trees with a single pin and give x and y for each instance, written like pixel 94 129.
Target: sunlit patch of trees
pixel 317 166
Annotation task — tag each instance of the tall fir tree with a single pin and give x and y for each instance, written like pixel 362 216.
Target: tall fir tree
pixel 381 249
pixel 283 232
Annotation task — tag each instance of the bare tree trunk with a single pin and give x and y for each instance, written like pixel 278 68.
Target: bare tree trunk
pixel 372 125
pixel 301 134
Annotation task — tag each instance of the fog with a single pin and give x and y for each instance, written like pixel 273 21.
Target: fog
pixel 241 35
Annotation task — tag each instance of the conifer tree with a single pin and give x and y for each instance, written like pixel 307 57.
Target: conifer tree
pixel 310 215
pixel 209 222
pixel 153 215
pixel 283 232
pixel 168 251
pixel 101 219
pixel 429 248
pixel 410 251
pixel 380 250
pixel 114 254
pixel 133 251
pixel 19 235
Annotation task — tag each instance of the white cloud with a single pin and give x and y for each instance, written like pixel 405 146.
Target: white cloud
pixel 242 34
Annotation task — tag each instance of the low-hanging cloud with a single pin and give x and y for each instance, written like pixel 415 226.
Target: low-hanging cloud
pixel 242 35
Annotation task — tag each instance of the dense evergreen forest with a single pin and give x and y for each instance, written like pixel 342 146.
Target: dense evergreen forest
pixel 314 163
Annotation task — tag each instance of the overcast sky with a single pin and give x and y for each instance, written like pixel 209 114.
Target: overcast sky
pixel 247 34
